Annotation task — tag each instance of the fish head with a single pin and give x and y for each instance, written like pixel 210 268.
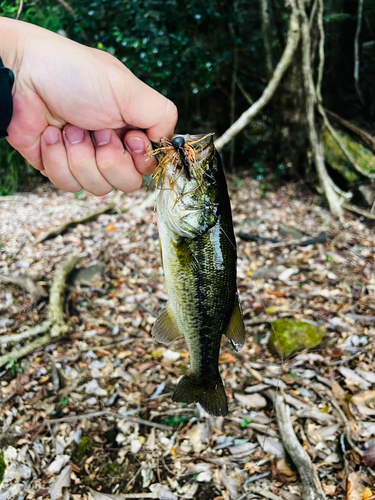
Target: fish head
pixel 187 182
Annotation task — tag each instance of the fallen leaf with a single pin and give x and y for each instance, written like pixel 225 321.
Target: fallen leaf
pixel 251 400
pixel 110 228
pixel 226 357
pixel 369 457
pixel 364 399
pixel 329 489
pixel 62 481
pixel 355 486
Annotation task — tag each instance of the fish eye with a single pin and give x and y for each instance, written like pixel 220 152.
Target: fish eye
pixel 178 142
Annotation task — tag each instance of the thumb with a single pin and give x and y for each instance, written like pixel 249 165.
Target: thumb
pixel 144 108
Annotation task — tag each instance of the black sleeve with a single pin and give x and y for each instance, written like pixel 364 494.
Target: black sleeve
pixel 6 101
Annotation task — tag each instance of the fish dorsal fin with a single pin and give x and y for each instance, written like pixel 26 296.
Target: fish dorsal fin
pixel 165 328
pixel 235 332
pixel 187 259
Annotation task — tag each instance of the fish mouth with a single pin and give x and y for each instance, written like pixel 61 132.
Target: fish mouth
pixel 184 155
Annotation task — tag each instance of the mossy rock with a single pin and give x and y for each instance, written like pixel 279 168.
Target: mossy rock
pixel 289 336
pixel 336 159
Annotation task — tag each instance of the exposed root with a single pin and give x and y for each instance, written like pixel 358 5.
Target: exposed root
pixel 359 211
pixel 26 283
pixel 55 323
pixel 61 229
pixel 312 489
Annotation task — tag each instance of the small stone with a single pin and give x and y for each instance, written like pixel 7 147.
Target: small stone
pixel 171 355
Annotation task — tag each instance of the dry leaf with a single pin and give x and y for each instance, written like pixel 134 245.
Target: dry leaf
pixel 364 399
pixel 368 494
pixel 226 357
pixel 62 481
pixel 329 489
pixel 251 400
pixel 369 457
pixel 110 228
pixel 355 486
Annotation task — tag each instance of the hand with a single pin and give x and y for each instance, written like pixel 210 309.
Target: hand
pixel 62 91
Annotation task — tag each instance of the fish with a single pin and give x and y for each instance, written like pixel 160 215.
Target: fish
pixel 199 258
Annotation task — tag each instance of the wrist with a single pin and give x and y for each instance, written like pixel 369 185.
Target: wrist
pixel 9 43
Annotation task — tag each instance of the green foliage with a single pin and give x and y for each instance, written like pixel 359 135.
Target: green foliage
pixel 14 367
pixel 2 467
pixel 85 446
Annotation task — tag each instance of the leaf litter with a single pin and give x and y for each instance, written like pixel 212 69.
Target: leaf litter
pixel 90 416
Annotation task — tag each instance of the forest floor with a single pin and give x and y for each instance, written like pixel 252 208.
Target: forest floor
pixel 91 416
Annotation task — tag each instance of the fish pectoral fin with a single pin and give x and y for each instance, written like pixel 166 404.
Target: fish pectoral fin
pixel 187 259
pixel 165 328
pixel 235 332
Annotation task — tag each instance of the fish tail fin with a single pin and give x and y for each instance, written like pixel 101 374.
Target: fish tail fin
pixel 211 396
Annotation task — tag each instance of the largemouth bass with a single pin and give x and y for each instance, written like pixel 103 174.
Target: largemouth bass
pixel 198 252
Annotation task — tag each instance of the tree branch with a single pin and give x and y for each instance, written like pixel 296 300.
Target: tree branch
pixel 312 489
pixel 316 146
pixel 269 91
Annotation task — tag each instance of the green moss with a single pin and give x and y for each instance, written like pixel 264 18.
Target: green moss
pixel 336 159
pixel 110 469
pixel 84 447
pixel 289 336
pixel 2 467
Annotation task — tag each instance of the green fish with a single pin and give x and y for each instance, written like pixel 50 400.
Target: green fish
pixel 198 252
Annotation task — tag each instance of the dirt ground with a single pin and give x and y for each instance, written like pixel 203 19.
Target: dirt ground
pixel 91 416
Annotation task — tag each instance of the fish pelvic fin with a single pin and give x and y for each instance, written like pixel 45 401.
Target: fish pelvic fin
pixel 211 396
pixel 165 328
pixel 235 332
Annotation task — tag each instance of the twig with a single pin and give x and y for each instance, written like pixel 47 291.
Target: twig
pixel 366 137
pixel 124 496
pixel 269 91
pixel 353 356
pixel 356 51
pixel 345 421
pixel 20 8
pixel 357 210
pixel 6 339
pixel 316 146
pixel 74 222
pixel 312 489
pixel 246 95
pixel 107 413
pixel 55 316
pixel 26 283
pixel 261 492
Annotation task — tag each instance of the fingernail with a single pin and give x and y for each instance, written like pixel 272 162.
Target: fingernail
pixel 51 136
pixel 135 145
pixel 74 135
pixel 102 137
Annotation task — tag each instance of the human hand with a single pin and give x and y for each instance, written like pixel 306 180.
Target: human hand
pixel 62 91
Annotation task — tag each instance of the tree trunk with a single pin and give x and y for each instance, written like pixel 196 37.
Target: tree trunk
pixel 291 119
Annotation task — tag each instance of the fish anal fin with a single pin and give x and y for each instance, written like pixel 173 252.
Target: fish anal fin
pixel 211 395
pixel 235 332
pixel 165 328
pixel 187 259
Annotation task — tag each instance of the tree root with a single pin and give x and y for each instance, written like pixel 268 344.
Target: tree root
pixel 55 322
pixel 312 489
pixel 359 211
pixel 26 283
pixel 74 222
